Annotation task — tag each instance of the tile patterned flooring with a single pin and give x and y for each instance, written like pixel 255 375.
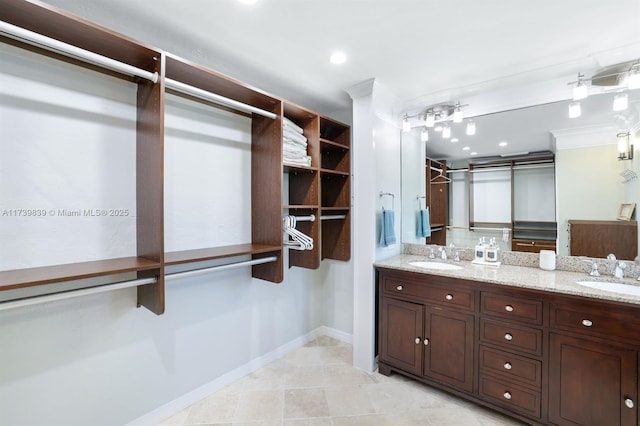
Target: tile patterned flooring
pixel 316 386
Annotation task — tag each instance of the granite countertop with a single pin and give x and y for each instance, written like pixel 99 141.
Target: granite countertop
pixel 518 276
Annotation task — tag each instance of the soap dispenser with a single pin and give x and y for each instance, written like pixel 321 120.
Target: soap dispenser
pixel 491 252
pixel 479 250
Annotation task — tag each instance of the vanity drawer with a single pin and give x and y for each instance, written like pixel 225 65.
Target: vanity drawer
pixel 618 324
pixel 510 395
pixel 444 296
pixel 512 366
pixel 511 308
pixel 513 337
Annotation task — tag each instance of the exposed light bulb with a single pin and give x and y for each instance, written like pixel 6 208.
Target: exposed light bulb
pixel 580 91
pixel 457 114
pixel 430 120
pixel 471 128
pixel 620 102
pixel 424 136
pixel 446 132
pixel 574 110
pixel 248 1
pixel 406 126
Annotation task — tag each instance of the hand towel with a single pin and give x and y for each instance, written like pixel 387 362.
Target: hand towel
pixel 424 227
pixel 387 233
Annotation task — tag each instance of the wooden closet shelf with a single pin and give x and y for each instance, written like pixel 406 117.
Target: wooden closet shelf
pixel 327 172
pixel 30 277
pixel 289 168
pixel 300 206
pixel 212 253
pixel 331 144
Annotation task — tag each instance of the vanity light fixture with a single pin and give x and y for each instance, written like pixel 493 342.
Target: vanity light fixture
pixel 620 102
pixel 457 113
pixel 446 132
pixel 471 128
pixel 406 126
pixel 625 147
pixel 424 136
pixel 580 91
pixel 574 110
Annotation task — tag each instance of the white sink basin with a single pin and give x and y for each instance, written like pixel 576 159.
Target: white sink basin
pixel 629 289
pixel 435 265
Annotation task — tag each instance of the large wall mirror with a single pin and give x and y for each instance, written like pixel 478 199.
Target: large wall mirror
pixel 585 180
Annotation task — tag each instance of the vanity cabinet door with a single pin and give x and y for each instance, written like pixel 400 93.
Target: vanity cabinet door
pixel 591 383
pixel 448 349
pixel 401 334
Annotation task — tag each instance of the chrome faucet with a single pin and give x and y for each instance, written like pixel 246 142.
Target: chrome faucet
pixel 594 267
pixel 443 253
pixel 618 270
pixel 432 255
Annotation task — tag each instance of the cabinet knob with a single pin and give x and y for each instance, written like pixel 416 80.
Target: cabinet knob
pixel 418 340
pixel 507 366
pixel 507 395
pixel 587 323
pixel 399 288
pixel 449 297
pixel 629 403
pixel 508 308
pixel 508 336
pixel 426 342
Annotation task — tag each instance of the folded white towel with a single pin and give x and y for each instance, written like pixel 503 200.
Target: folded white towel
pixel 293 150
pixel 294 136
pixel 295 161
pixel 288 123
pixel 288 141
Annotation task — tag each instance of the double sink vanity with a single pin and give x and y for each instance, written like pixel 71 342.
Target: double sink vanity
pixel 545 347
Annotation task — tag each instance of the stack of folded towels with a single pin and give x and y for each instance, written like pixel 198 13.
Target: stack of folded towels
pixel 294 144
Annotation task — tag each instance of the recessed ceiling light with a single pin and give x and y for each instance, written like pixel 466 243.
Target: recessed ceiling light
pixel 248 1
pixel 474 153
pixel 466 148
pixel 338 58
pixel 454 140
pixel 503 143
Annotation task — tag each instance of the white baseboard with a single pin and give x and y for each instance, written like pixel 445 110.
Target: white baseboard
pixel 169 409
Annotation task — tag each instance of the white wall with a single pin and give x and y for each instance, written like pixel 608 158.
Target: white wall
pixel 588 181
pixel 69 143
pixel 413 185
pixel 376 165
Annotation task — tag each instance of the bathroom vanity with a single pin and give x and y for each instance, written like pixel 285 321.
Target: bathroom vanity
pixel 530 343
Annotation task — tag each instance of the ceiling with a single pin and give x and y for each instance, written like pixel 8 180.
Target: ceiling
pixel 424 52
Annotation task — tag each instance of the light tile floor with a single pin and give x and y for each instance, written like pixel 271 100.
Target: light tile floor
pixel 316 386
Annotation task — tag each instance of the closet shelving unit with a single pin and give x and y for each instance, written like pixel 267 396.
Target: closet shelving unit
pixel 208 86
pixel 335 184
pixel 437 190
pixel 322 189
pixel 304 187
pixel 79 34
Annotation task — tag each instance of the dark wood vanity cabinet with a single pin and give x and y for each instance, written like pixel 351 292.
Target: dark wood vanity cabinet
pixel 541 357
pixel 427 331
